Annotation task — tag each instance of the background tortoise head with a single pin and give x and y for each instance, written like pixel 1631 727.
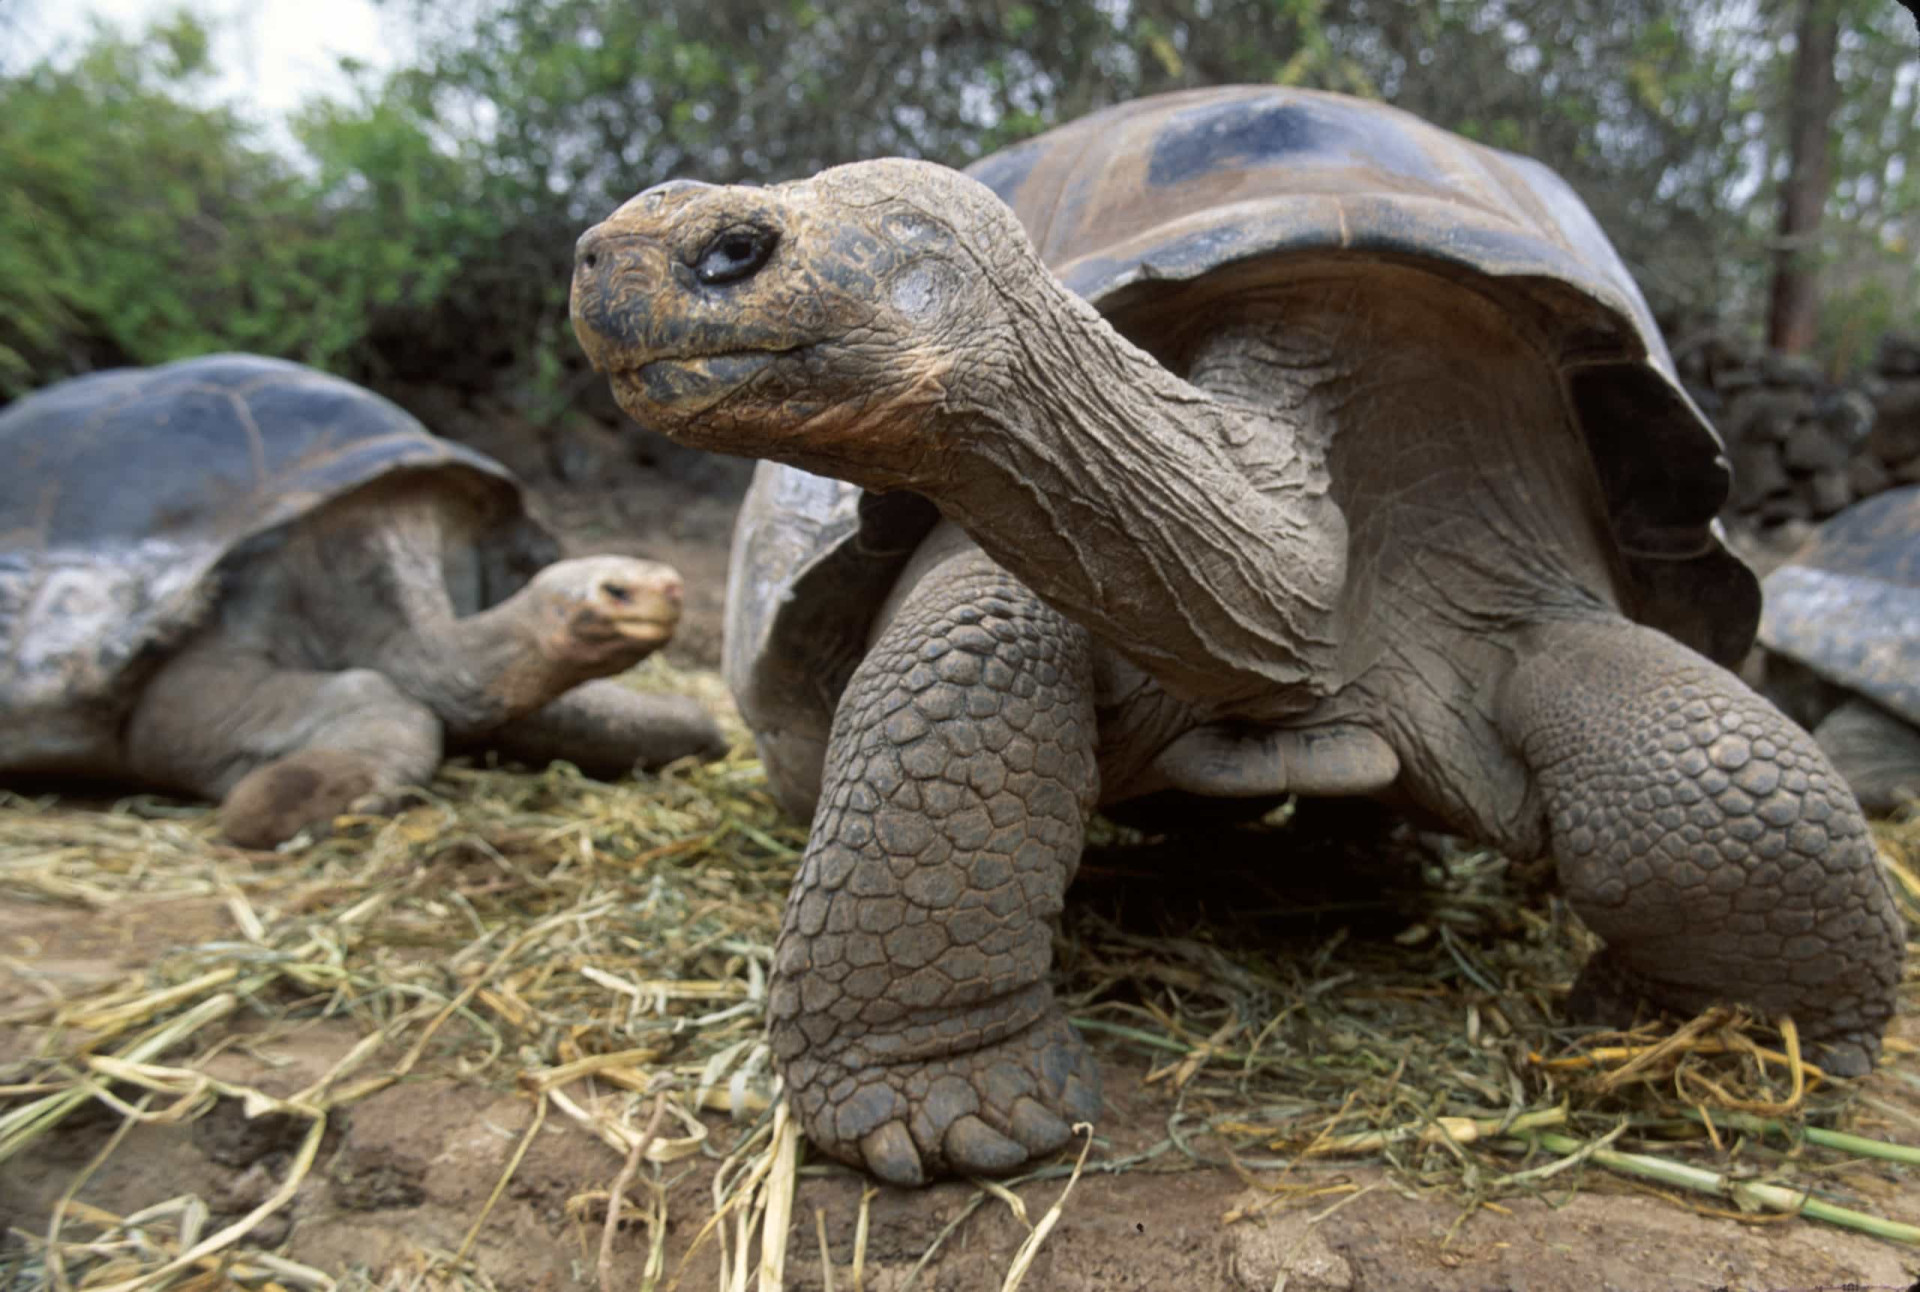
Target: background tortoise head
pixel 812 322
pixel 605 613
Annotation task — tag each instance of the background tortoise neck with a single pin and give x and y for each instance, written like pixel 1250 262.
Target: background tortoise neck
pixel 391 578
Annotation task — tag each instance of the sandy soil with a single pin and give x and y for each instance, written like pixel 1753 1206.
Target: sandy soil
pixel 404 1174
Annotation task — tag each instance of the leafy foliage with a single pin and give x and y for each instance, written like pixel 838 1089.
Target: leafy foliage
pixel 426 227
pixel 126 209
pixel 139 225
pixel 1870 245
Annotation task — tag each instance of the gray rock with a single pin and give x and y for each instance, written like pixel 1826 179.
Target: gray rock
pixel 1757 473
pixel 1706 399
pixel 1848 415
pixel 1899 355
pixel 1763 414
pixel 1811 447
pixel 1895 436
pixel 1829 491
pixel 1784 507
pixel 1790 370
pixel 1285 1249
pixel 1868 475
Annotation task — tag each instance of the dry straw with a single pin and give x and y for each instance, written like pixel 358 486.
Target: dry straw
pixel 1330 991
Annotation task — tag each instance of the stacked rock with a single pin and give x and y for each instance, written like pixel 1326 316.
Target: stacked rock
pixel 1895 439
pixel 1803 447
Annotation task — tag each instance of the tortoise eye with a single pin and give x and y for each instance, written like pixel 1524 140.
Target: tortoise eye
pixel 734 255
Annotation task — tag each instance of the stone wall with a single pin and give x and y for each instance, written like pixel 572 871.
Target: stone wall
pixel 1803 447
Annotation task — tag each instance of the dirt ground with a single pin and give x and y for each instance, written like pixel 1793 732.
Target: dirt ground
pixel 403 1175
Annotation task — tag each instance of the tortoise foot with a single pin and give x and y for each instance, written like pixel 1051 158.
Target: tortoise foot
pixel 989 1111
pixel 304 791
pixel 1609 993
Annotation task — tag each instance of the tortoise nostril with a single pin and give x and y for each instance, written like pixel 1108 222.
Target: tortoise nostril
pixel 590 250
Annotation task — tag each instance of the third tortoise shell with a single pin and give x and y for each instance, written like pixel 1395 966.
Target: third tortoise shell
pixel 1848 604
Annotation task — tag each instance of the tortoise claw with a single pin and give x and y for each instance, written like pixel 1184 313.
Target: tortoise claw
pixel 1843 1058
pixel 972 1145
pixel 1608 994
pixel 891 1156
pixel 993 1111
pixel 1037 1127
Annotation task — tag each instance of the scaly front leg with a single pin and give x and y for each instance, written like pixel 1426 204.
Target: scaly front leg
pixel 910 1009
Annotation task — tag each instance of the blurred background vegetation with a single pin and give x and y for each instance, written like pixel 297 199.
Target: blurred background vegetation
pixel 418 225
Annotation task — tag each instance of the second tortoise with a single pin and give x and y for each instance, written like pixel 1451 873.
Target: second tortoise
pixel 240 578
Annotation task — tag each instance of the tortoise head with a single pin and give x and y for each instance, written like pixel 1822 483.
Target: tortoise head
pixel 601 614
pixel 817 322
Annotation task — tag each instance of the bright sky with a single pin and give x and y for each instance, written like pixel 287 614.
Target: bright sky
pixel 271 54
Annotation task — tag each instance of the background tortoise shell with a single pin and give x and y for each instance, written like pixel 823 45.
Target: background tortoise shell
pixel 1155 207
pixel 126 489
pixel 1848 604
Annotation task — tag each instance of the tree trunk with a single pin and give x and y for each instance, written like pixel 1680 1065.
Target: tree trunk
pixel 1812 99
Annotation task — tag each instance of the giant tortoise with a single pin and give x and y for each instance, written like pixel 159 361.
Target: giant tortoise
pixel 1235 442
pixel 1841 628
pixel 237 577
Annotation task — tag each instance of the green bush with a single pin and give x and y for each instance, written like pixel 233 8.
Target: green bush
pixel 424 230
pixel 139 224
pixel 129 214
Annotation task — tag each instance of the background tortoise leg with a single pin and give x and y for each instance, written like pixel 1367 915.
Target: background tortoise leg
pixel 1704 836
pixel 284 749
pixel 910 1011
pixel 606 730
pixel 1877 753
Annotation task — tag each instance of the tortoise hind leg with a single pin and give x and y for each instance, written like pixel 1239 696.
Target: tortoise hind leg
pixel 283 749
pixel 1706 838
pixel 606 730
pixel 910 1011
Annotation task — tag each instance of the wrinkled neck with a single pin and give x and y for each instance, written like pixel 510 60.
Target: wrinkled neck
pixel 1193 533
pixel 481 670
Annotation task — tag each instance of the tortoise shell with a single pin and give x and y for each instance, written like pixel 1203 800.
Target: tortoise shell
pixel 1847 605
pixel 126 489
pixel 1151 210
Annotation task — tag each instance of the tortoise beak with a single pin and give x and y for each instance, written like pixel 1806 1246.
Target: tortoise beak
pixel 620 266
pixel 607 606
pixel 635 326
pixel 643 606
pixel 616 275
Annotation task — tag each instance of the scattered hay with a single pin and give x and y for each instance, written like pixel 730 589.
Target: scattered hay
pixel 1417 1024
pixel 1332 988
